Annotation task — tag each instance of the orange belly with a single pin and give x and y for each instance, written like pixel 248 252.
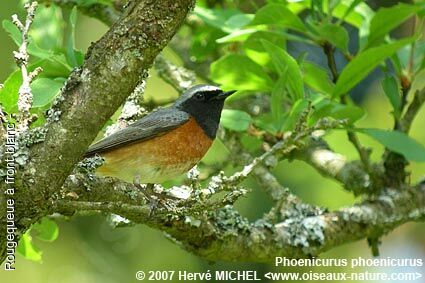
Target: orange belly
pixel 158 159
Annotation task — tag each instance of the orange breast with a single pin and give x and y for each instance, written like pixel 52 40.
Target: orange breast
pixel 160 158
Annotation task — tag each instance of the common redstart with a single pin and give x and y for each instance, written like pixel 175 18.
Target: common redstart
pixel 166 143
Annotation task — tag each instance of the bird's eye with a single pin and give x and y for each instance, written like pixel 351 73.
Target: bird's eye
pixel 199 96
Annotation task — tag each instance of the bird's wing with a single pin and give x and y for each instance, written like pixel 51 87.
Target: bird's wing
pixel 155 124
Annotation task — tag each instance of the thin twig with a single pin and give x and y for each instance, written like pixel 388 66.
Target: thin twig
pixel 363 152
pixel 412 110
pixel 179 78
pixel 25 99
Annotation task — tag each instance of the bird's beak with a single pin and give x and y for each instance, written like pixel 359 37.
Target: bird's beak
pixel 223 95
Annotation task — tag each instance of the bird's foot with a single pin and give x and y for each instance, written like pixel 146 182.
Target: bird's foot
pixel 155 199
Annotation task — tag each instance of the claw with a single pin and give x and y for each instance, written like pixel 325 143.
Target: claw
pixel 154 199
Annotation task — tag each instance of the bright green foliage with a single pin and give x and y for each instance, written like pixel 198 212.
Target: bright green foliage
pixel 46 230
pixel 27 249
pixel 387 19
pixel 392 91
pixel 46 39
pixel 225 20
pixel 262 64
pixel 334 34
pixel 324 107
pixel 279 15
pixel 255 50
pixel 364 63
pixel 398 142
pixel 297 109
pixel 235 120
pixel 44 90
pixel 317 78
pixel 286 65
pixel 240 72
pixel 45 87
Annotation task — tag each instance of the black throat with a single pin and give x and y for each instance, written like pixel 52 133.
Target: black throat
pixel 208 118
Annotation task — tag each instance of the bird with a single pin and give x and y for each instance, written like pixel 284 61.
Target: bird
pixel 167 142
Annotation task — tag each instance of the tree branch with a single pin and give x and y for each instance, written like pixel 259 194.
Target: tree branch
pixel 225 235
pixel 336 166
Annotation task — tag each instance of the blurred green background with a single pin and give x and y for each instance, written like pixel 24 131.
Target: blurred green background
pixel 89 250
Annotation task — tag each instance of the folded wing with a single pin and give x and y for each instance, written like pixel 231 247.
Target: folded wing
pixel 155 124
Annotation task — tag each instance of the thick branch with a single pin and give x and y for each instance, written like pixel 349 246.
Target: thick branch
pixel 214 237
pixel 336 166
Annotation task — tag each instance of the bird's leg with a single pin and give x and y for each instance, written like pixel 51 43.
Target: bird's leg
pixel 148 193
pixel 153 197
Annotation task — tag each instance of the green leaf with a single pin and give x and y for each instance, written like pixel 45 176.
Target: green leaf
pixel 398 142
pixel 387 19
pixel 282 61
pixel 336 35
pixel 9 93
pixel 235 120
pixel 297 109
pixel 27 249
pixel 350 8
pixel 404 58
pixel 238 35
pixel 46 32
pixel 44 90
pixel 317 78
pixel 241 73
pixel 33 48
pixel 255 50
pixel 351 12
pixel 392 91
pixel 359 16
pixel 418 82
pixel 278 14
pixel 217 17
pixel 239 21
pixel 350 112
pixel 364 63
pixel 276 100
pixel 46 230
pixel 327 108
pixel 266 122
pixel 13 31
pixel 47 28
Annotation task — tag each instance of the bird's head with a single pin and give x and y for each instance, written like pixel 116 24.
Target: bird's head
pixel 204 103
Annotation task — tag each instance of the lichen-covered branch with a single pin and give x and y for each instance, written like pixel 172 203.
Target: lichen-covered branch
pixel 330 164
pixel 178 77
pixel 225 235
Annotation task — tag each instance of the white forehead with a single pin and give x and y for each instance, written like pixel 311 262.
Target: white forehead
pixel 202 88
